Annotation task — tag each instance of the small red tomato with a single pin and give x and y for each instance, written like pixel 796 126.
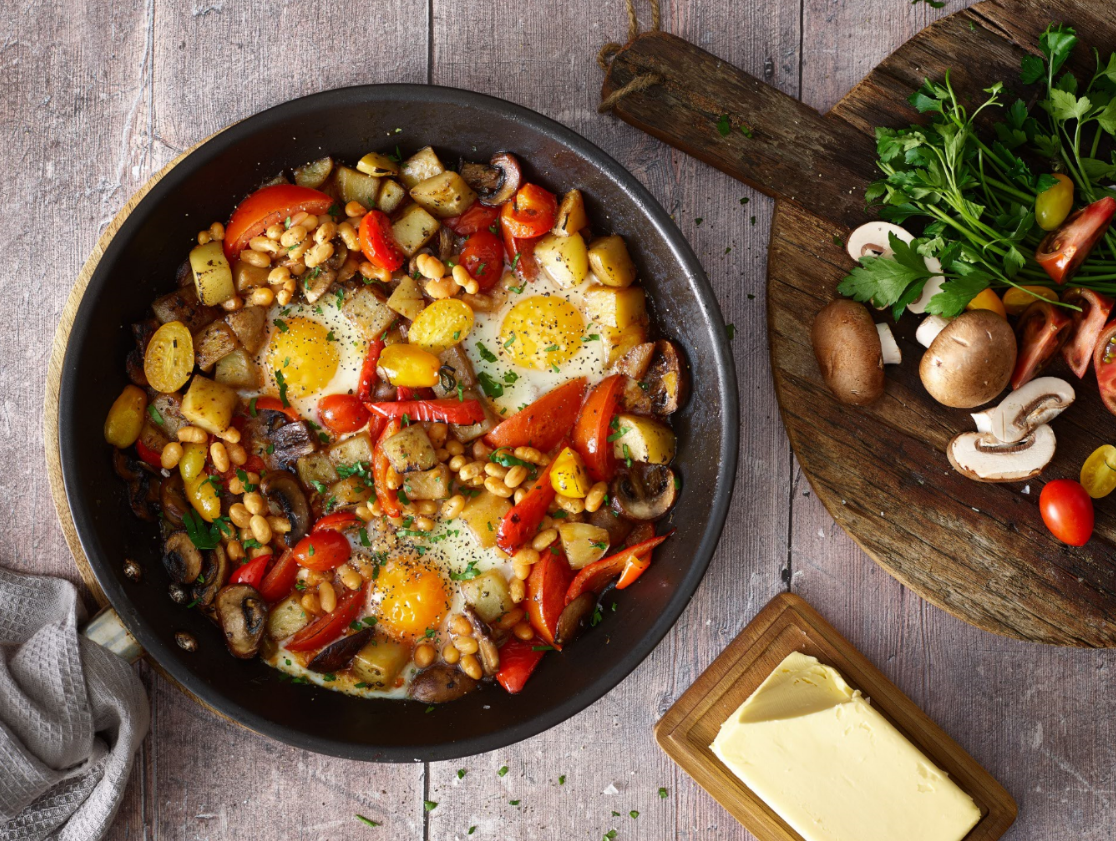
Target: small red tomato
pixel 322 550
pixel 342 413
pixel 377 241
pixel 483 257
pixel 530 213
pixel 476 218
pixel 1067 511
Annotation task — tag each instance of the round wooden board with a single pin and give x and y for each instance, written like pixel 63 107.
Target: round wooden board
pixel 979 551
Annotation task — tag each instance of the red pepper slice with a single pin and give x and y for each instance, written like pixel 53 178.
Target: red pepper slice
pixel 274 404
pixel 377 241
pixel 337 521
pixel 389 499
pixel 476 218
pixel 518 659
pixel 1041 330
pixel 595 576
pixel 368 376
pixel 633 569
pixel 266 207
pixel 590 436
pixel 1063 250
pixel 149 455
pixel 1087 325
pixel 446 409
pixel 325 629
pixel 252 573
pixel 544 423
pixel 546 594
pixel 280 578
pixel 1104 363
pixel 521 523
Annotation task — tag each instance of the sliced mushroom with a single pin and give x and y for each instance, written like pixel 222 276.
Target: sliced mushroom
pixel 616 524
pixel 510 176
pixel 933 287
pixel 441 684
pixel 889 348
pixel 929 329
pixel 282 489
pixel 214 575
pixel 872 240
pixel 668 383
pixel 970 361
pixel 486 645
pixel 979 456
pixel 242 614
pixel 338 655
pixel 647 492
pixel 172 498
pixel 182 559
pixel 445 244
pixel 1025 409
pixel 849 353
pixel 572 619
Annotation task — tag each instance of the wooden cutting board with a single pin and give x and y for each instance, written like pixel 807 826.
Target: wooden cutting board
pixel 979 551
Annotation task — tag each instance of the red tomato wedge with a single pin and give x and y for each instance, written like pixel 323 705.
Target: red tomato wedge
pixel 280 578
pixel 590 435
pixel 1104 363
pixel 1087 325
pixel 483 257
pixel 518 660
pixel 252 573
pixel 520 524
pixel 1067 511
pixel 267 207
pixel 325 629
pixel 368 375
pixel 338 521
pixel 546 594
pixel 544 423
pixel 389 499
pixel 322 550
pixel 273 404
pixel 446 409
pixel 530 213
pixel 477 218
pixel 377 241
pixel 594 577
pixel 1042 329
pixel 1064 249
pixel 149 455
pixel 342 413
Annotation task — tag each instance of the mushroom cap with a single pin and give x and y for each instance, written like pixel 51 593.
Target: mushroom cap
pixel 979 456
pixel 970 361
pixel 848 350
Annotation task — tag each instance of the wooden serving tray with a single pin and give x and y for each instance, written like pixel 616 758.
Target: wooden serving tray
pixel 979 551
pixel 789 624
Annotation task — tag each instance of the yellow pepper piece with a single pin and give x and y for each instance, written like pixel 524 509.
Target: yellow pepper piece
pixel 988 300
pixel 125 417
pixel 569 476
pixel 1017 300
pixel 409 366
pixel 199 490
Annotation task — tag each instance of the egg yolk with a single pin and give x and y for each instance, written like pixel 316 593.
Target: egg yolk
pixel 302 356
pixel 412 597
pixel 542 332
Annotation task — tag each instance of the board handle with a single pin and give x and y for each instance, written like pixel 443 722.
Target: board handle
pixel 719 114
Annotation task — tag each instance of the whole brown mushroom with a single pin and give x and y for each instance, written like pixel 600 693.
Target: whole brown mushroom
pixel 970 361
pixel 849 352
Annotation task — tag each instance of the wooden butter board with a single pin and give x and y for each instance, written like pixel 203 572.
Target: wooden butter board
pixel 785 625
pixel 980 551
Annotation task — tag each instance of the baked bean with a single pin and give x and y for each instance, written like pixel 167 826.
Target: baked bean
pixel 517 589
pixel 261 529
pixel 471 666
pixel 524 631
pixel 543 539
pixel 192 435
pixel 453 506
pixel 461 625
pixel 171 455
pixel 424 655
pixel 219 456
pixel 495 486
pixel 327 598
pixel 450 654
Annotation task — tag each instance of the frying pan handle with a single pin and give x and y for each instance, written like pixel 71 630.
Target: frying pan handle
pixel 769 140
pixel 107 630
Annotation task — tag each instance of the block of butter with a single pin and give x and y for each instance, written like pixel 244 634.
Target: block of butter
pixel 832 767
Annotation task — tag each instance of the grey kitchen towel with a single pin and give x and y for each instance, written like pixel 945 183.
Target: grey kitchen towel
pixel 71 716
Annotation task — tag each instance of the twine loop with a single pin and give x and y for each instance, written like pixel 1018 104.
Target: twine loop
pixel 609 51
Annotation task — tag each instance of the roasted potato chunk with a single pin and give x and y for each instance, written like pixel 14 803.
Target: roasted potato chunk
pixel 428 484
pixel 213 280
pixel 356 186
pixel 237 369
pixel 314 174
pixel 391 196
pixel 571 215
pixel 316 469
pixel 564 258
pixel 482 515
pixel 410 450
pixel 250 326
pixel 352 451
pixel 421 165
pixel 643 439
pixel 413 229
pixel 583 543
pixel 611 262
pixel 407 298
pixel 377 165
pixel 213 343
pixel 444 195
pixel 614 307
pixel 489 595
pixel 367 309
pixel 209 404
pixel 379 663
pixel 183 305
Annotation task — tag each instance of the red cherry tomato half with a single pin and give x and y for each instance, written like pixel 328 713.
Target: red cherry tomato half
pixel 1104 363
pixel 1042 329
pixel 341 413
pixel 377 241
pixel 280 578
pixel 530 213
pixel 322 550
pixel 483 257
pixel 1062 251
pixel 267 207
pixel 476 218
pixel 251 573
pixel 338 521
pixel 1067 511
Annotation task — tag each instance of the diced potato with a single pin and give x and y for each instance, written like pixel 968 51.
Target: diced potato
pixel 209 404
pixel 213 343
pixel 407 298
pixel 621 342
pixel 356 186
pixel 489 595
pixel 391 196
pixel 350 491
pixel 351 451
pixel 153 436
pixel 316 284
pixel 583 543
pixel 483 514
pixel 643 439
pixel 444 195
pixel 246 276
pixel 238 369
pixel 378 165
pixel 571 215
pixel 316 467
pixel 421 165
pixel 428 484
pixel 314 174
pixel 568 476
pixel 379 663
pixel 413 229
pixel 564 258
pixel 250 326
pixel 213 279
pixel 441 325
pixel 169 407
pixel 409 450
pixel 286 618
pixel 611 262
pixel 183 305
pixel 367 309
pixel 613 307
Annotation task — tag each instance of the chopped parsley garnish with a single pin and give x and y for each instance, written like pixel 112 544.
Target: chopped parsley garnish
pixel 730 331
pixel 550 348
pixel 364 541
pixel 366 821
pixel 155 416
pixel 518 289
pixel 204 535
pixel 429 805
pixel 491 388
pixel 618 434
pixel 279 378
pixel 282 325
pixel 663 793
pixel 542 647
pixel 243 477
pixel 468 574
pixel 599 544
pixel 503 771
pixel 510 377
pixel 592 337
pixel 485 353
pixel 252 406
pixel 562 780
pixel 510 341
pixel 461 772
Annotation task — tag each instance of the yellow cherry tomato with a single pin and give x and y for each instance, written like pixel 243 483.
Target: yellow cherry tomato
pixel 409 366
pixel 1018 299
pixel 568 476
pixel 1098 473
pixel 987 300
pixel 125 418
pixel 1054 205
pixel 441 325
pixel 199 489
pixel 169 357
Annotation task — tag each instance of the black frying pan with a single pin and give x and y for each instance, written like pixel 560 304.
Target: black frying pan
pixel 140 263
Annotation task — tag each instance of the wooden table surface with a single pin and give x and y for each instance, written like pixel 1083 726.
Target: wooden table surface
pixel 97 96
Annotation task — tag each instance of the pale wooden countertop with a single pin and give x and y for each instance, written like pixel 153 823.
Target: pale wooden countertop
pixel 97 96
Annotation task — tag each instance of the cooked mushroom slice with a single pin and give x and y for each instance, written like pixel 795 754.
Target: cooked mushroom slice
pixel 572 619
pixel 283 489
pixel 979 456
pixel 849 353
pixel 182 559
pixel 143 484
pixel 667 382
pixel 242 613
pixel 292 441
pixel 445 244
pixel 486 646
pixel 889 348
pixel 172 497
pixel 647 492
pixel 970 361
pixel 338 655
pixel 510 175
pixel 618 527
pixel 872 240
pixel 214 576
pixel 1026 409
pixel 929 329
pixel 441 684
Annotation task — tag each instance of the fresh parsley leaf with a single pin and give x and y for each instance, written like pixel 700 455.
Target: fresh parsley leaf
pixel 491 388
pixel 485 353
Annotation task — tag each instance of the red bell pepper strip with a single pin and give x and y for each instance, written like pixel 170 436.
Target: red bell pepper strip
pixel 591 432
pixel 389 499
pixel 338 521
pixel 280 578
pixel 403 393
pixel 274 404
pixel 149 455
pixel 368 376
pixel 252 573
pixel 1063 250
pixel 633 569
pixel 518 660
pixel 325 629
pixel 447 409
pixel 520 524
pixel 544 423
pixel 595 576
pixel 546 594
pixel 267 206
pixel 1087 325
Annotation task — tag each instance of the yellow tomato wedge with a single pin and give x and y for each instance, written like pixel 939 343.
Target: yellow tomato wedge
pixel 1098 473
pixel 987 300
pixel 1017 300
pixel 169 357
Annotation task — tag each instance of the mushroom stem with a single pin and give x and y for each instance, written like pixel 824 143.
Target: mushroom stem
pixel 889 348
pixel 929 329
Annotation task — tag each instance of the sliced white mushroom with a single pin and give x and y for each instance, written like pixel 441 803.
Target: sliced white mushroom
pixel 889 348
pixel 871 239
pixel 979 456
pixel 929 329
pixel 933 287
pixel 1025 409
